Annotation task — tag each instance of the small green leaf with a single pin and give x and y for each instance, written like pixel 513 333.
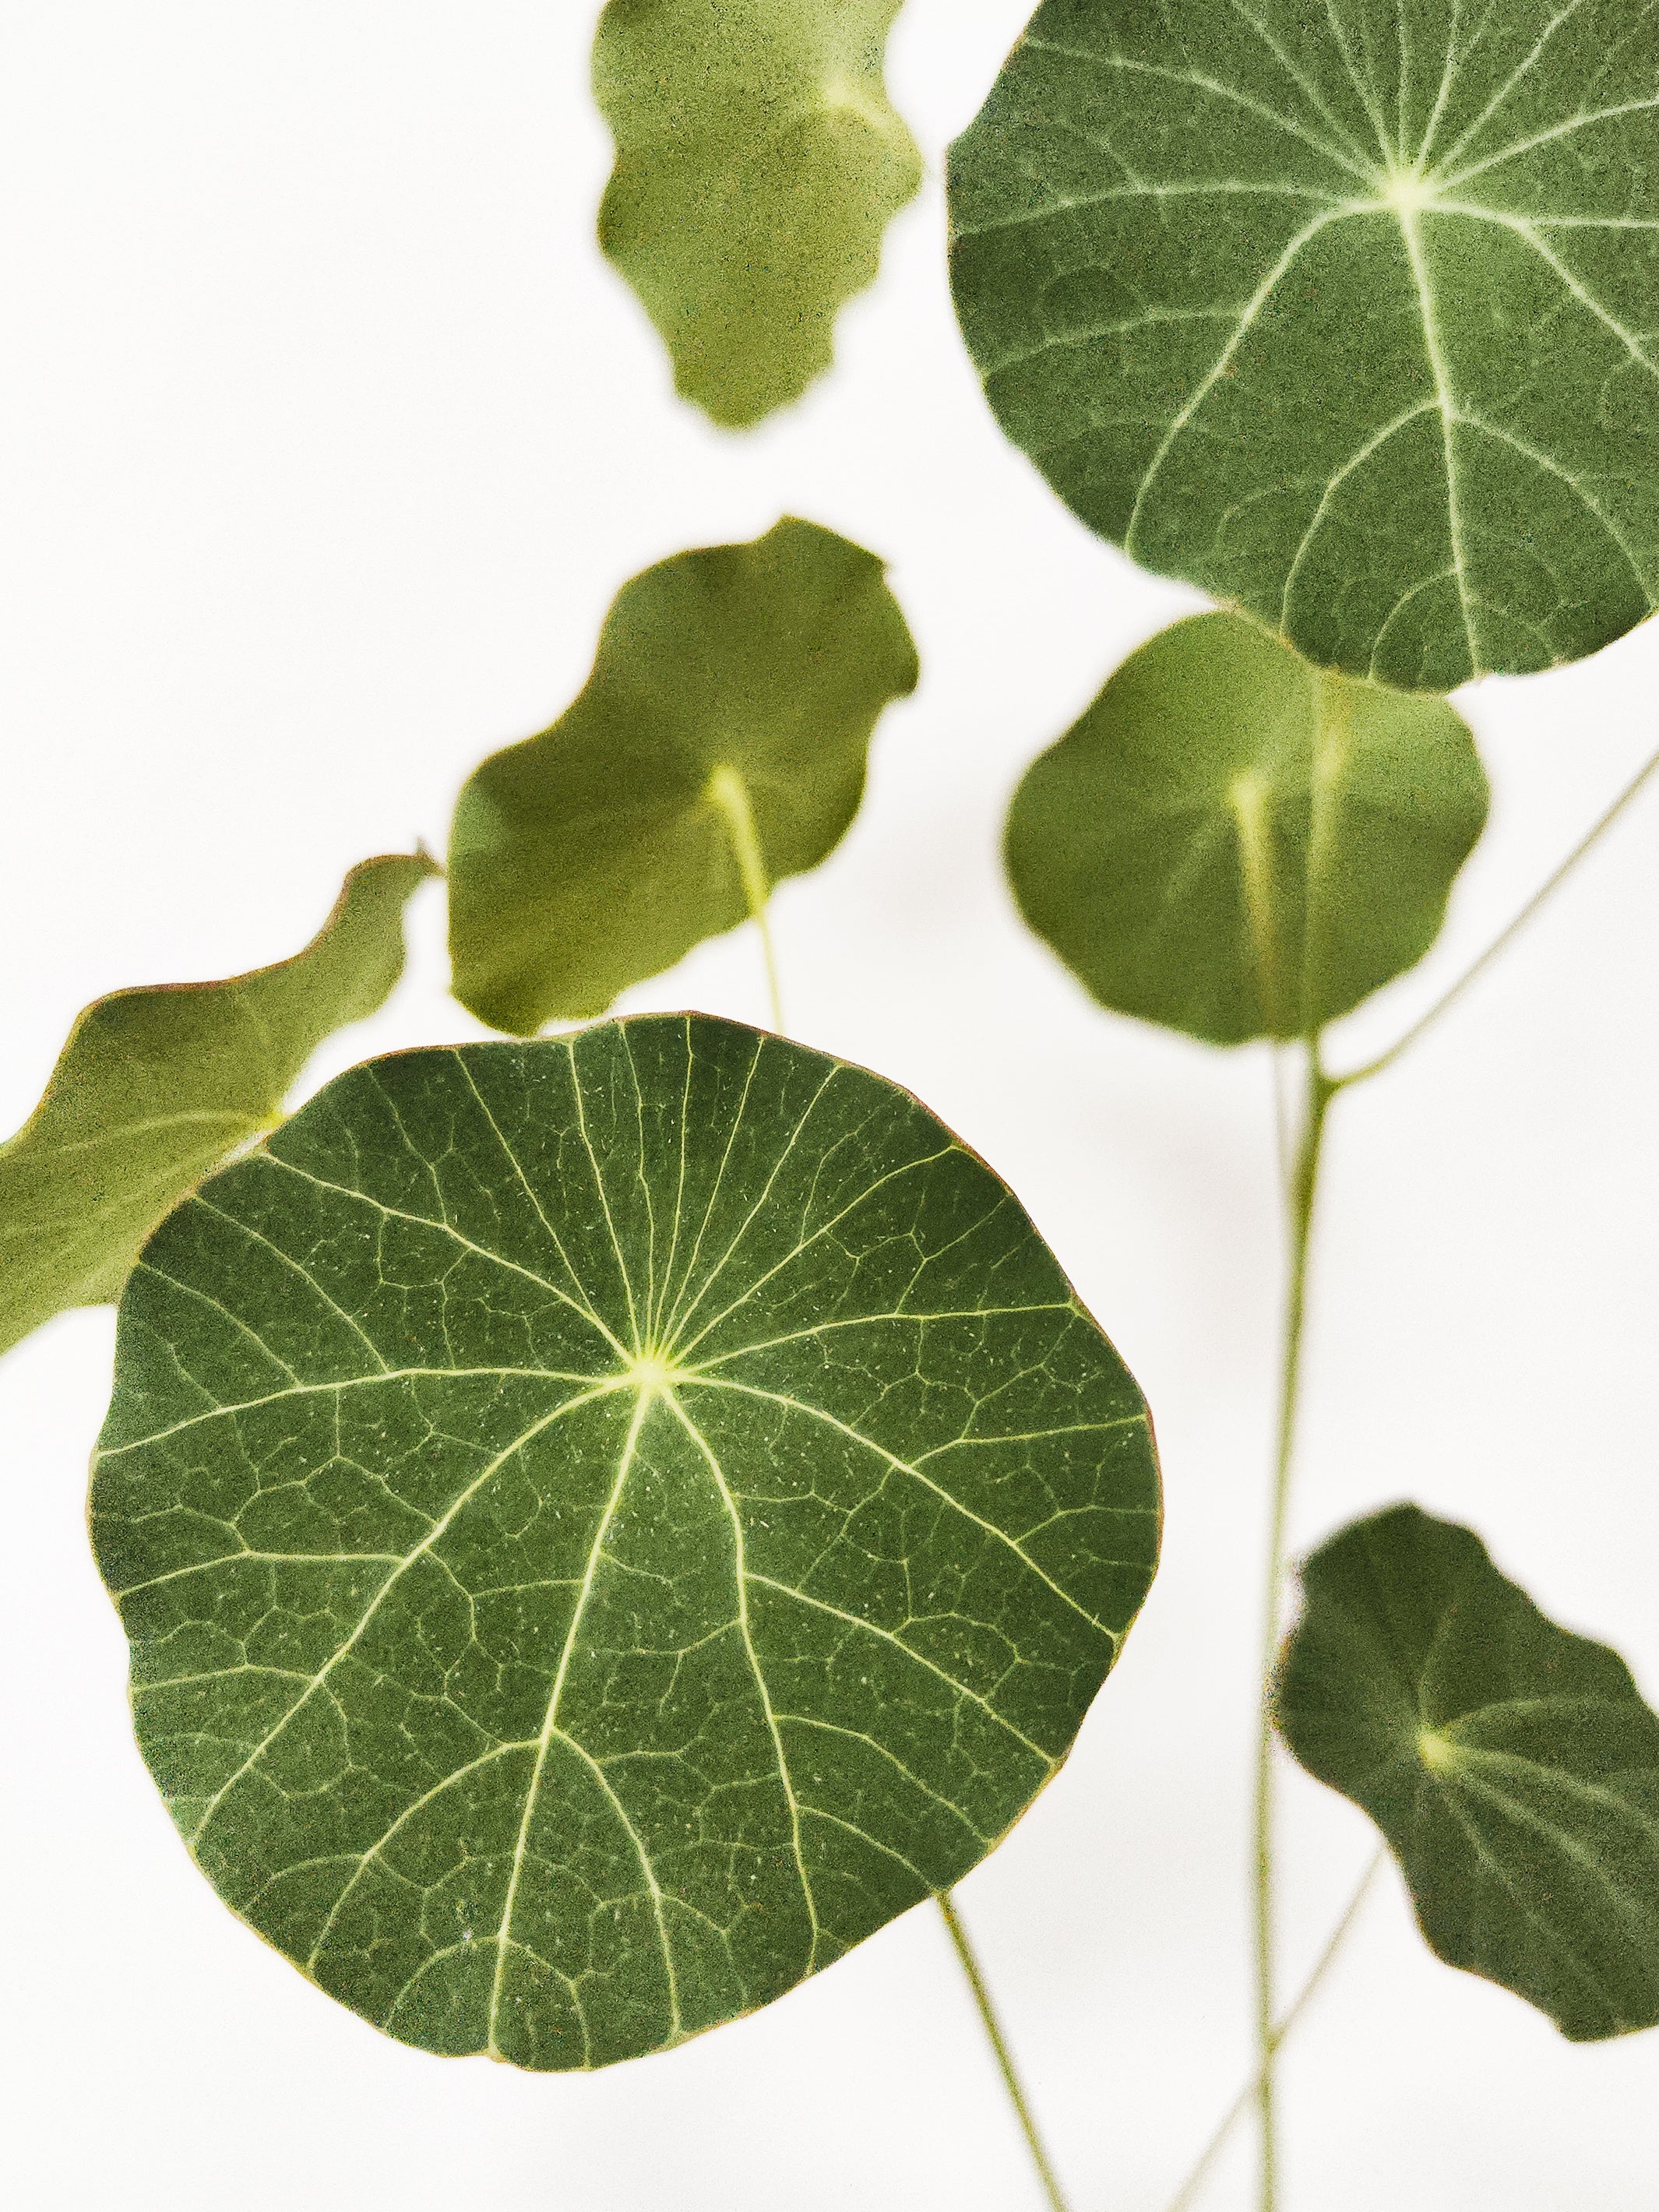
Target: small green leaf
pixel 1344 312
pixel 604 1524
pixel 1238 845
pixel 1513 1767
pixel 156 1088
pixel 758 162
pixel 719 745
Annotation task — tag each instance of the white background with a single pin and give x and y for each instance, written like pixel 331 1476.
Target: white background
pixel 326 437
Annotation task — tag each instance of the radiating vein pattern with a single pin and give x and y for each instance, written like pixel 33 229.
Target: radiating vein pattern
pixel 1348 313
pixel 604 1524
pixel 1239 845
pixel 1513 1766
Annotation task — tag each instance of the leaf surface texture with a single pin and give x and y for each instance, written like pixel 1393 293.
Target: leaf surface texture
pixel 600 851
pixel 604 1524
pixel 1344 312
pixel 1513 1766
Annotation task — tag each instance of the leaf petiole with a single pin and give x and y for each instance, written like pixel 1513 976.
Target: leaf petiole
pixel 970 1967
pixel 1187 2195
pixel 1540 899
pixel 1321 1090
pixel 729 794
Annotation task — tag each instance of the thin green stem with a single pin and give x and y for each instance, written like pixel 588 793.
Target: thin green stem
pixel 998 2044
pixel 730 794
pixel 1323 1088
pixel 1586 845
pixel 1304 1192
pixel 1284 1115
pixel 1187 2195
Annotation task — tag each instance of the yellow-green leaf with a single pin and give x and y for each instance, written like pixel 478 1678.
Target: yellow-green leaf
pixel 719 745
pixel 157 1087
pixel 758 162
pixel 1235 843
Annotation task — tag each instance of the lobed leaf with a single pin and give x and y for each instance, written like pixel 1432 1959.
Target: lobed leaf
pixel 1513 1767
pixel 604 1524
pixel 1237 845
pixel 731 707
pixel 1343 312
pixel 758 162
pixel 155 1088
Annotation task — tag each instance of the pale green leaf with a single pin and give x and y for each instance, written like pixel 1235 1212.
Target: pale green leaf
pixel 1344 312
pixel 1513 1766
pixel 156 1088
pixel 1239 845
pixel 605 1524
pixel 758 162
pixel 727 722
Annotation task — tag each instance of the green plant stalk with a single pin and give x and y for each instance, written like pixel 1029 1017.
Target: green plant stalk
pixel 1187 2195
pixel 730 795
pixel 729 792
pixel 1323 1088
pixel 1303 1192
pixel 998 2043
pixel 1506 937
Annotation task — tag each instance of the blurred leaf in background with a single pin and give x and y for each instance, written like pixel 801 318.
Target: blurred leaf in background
pixel 1343 316
pixel 719 745
pixel 1236 844
pixel 758 163
pixel 157 1087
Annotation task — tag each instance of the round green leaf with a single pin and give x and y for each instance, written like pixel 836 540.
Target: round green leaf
pixel 719 745
pixel 758 162
pixel 1238 845
pixel 605 1524
pixel 1513 1766
pixel 1343 312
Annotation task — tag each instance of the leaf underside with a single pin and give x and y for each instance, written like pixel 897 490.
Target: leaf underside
pixel 1513 1767
pixel 1237 845
pixel 605 1524
pixel 156 1088
pixel 1344 312
pixel 758 163
pixel 600 851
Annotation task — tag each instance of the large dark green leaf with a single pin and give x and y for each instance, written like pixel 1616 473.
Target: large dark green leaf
pixel 1238 845
pixel 1513 1767
pixel 727 722
pixel 604 1524
pixel 1343 311
pixel 758 162
pixel 156 1088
